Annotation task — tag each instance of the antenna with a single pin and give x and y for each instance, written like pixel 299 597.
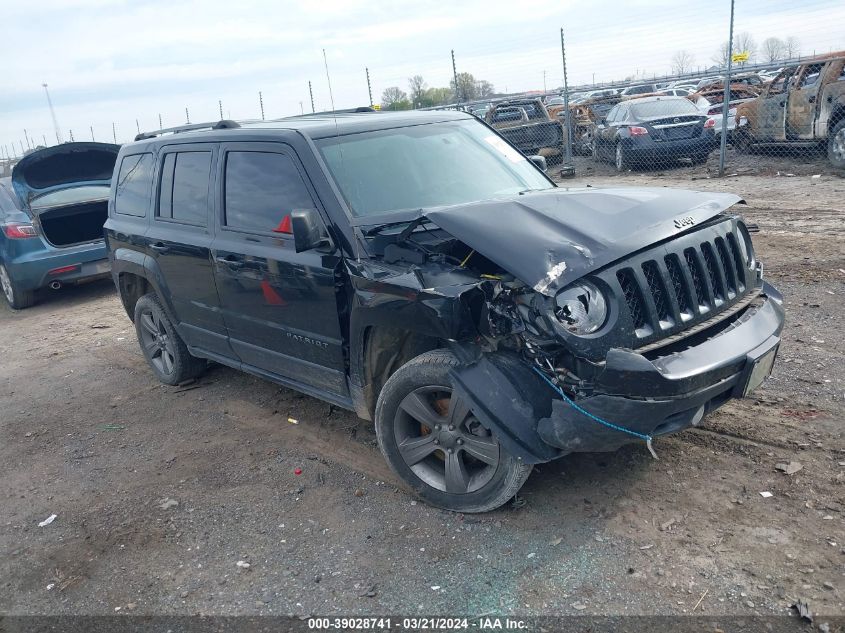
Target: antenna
pixel 53 114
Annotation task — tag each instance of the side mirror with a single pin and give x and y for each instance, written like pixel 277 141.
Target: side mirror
pixel 308 230
pixel 539 162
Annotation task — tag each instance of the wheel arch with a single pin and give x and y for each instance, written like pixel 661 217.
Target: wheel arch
pixel 136 274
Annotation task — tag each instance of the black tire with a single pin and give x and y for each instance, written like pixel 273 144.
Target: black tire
pixel 594 147
pixel 165 351
pixel 700 159
pixel 836 145
pixel 621 158
pixel 478 484
pixel 742 142
pixel 17 298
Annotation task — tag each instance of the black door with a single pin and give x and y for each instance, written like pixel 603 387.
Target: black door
pixel 179 240
pixel 280 306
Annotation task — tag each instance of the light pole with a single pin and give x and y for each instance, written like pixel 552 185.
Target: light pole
pixel 53 114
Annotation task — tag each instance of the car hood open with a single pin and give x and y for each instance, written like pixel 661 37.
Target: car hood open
pixel 550 238
pixel 63 166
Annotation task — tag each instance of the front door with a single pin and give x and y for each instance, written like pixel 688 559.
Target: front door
pixel 179 240
pixel 280 306
pixel 803 102
pixel 771 111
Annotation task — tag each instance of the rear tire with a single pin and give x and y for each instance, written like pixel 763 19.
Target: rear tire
pixel 430 438
pixel 17 298
pixel 165 351
pixel 622 162
pixel 836 145
pixel 700 159
pixel 742 142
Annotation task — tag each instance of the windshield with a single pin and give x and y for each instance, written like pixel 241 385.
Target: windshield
pixel 434 165
pixel 667 107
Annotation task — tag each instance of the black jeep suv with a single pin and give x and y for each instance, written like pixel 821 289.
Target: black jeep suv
pixel 416 269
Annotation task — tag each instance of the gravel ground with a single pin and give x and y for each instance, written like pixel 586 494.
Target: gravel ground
pixel 185 500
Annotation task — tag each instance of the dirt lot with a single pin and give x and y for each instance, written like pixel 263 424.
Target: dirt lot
pixel 160 491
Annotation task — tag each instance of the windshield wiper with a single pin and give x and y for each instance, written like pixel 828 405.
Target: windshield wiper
pixel 412 225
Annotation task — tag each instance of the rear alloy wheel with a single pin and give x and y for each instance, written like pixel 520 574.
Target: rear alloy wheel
pixel 836 146
pixel 165 351
pixel 431 439
pixel 621 158
pixel 18 299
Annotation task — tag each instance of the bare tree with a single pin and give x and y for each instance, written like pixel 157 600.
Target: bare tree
pixel 394 98
pixel 682 62
pixel 773 48
pixel 417 87
pixel 484 88
pixel 744 43
pixel 466 89
pixel 792 47
pixel 721 56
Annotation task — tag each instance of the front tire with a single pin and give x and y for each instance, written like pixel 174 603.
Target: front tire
pixel 165 351
pixel 836 146
pixel 17 298
pixel 430 438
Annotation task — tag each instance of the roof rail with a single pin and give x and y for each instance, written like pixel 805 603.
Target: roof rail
pixel 223 124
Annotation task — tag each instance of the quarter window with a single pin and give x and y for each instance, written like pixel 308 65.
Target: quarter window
pixel 183 195
pixel 134 185
pixel 261 188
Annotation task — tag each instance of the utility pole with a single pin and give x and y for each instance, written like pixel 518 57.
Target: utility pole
pixel 114 133
pixel 726 98
pixel 187 116
pixel 455 75
pixel 568 168
pixel 53 115
pixel 301 109
pixel 544 82
pixel 26 137
pixel 311 92
pixel 261 104
pixel 92 133
pixel 137 126
pixel 369 87
pixel 160 126
pixel 220 106
pixel 71 135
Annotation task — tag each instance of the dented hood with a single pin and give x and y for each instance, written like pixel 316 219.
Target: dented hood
pixel 62 167
pixel 550 238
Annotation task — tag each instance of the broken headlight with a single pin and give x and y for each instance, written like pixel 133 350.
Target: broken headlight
pixel 581 308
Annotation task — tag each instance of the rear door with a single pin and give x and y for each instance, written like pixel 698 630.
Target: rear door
pixel 280 306
pixel 179 240
pixel 802 104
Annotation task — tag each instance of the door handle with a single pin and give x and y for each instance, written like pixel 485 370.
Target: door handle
pixel 229 261
pixel 158 246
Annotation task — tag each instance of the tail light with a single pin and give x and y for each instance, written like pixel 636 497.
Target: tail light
pixel 709 123
pixel 636 130
pixel 19 231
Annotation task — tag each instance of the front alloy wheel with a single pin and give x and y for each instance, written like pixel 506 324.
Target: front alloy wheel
pixel 432 440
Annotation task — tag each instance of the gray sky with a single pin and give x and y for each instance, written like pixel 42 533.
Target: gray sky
pixel 114 61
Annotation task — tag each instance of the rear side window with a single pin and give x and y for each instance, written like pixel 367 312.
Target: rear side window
pixel 134 185
pixel 261 188
pixel 183 195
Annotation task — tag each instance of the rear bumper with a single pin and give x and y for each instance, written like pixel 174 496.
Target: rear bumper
pixel 651 397
pixel 649 149
pixel 34 269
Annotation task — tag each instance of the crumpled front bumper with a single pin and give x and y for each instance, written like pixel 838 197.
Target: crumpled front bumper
pixel 650 397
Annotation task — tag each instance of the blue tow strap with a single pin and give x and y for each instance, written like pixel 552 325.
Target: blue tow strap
pixel 594 418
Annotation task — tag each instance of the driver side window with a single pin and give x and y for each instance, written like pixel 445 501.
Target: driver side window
pixel 780 83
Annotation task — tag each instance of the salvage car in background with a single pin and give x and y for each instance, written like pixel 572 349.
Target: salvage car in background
pixel 458 298
pixel 804 106
pixel 652 131
pixel 52 212
pixel 526 123
pixel 709 101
